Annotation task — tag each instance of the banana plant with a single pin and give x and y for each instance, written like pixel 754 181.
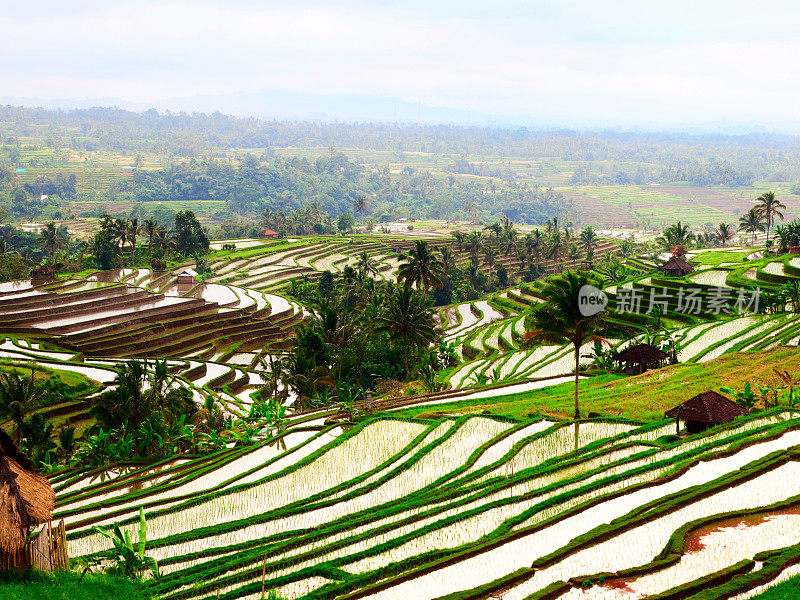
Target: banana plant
pixel 130 559
pixel 746 398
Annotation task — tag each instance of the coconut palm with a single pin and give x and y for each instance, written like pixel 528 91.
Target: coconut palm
pixel 366 265
pixel 555 246
pixel 559 320
pixel 18 397
pixel 134 229
pixel 724 232
pixel 448 260
pixel 533 243
pixel 783 234
pixel 164 241
pixel 408 319
pixel 589 239
pixel 149 228
pixel 52 238
pixel 475 243
pixel 675 236
pixel 421 268
pixel 752 222
pixel 770 207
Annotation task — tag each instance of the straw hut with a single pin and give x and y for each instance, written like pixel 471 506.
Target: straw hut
pixel 704 411
pixel 269 234
pixel 641 357
pixel 676 267
pixel 43 273
pixel 26 500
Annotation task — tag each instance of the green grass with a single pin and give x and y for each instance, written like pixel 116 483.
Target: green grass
pixel 641 397
pixel 717 257
pixel 788 590
pixel 36 585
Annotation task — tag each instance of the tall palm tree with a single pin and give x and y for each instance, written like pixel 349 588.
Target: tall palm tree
pixel 134 229
pixel 752 222
pixel 490 254
pixel 589 239
pixel 149 228
pixel 770 207
pixel 18 398
pixel 725 232
pixel 119 227
pixel 475 244
pixel 559 320
pixel 421 268
pixel 51 238
pixel 555 246
pixel 533 243
pixel 408 319
pixel 448 260
pixel 509 239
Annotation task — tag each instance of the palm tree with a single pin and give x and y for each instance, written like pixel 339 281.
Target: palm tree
pixel 559 319
pixel 675 236
pixel 752 222
pixel 149 228
pixel 555 246
pixel 490 254
pixel 495 228
pixel 407 318
pixel 448 260
pixel 533 243
pixel 51 238
pixel 366 265
pixel 164 240
pixel 784 235
pixel 725 232
pixel 509 239
pixel 475 243
pixel 421 268
pixel 134 229
pixel 19 397
pixel 589 239
pixel 770 208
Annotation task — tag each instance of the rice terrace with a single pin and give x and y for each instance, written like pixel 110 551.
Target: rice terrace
pixel 325 343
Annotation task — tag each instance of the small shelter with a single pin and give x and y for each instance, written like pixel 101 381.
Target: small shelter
pixel 43 273
pixel 676 267
pixel 794 250
pixel 641 357
pixel 187 277
pixel 705 410
pixel 26 500
pixel 269 233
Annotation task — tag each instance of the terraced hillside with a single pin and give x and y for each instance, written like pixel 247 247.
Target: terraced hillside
pixel 472 507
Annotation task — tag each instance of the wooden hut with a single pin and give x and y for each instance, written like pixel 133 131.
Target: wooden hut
pixel 187 277
pixel 676 267
pixel 641 357
pixel 26 501
pixel 41 273
pixel 705 410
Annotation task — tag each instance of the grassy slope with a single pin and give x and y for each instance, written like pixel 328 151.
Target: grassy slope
pixel 644 396
pixel 67 586
pixel 788 590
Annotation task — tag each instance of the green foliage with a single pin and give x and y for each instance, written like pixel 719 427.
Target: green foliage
pixel 128 556
pixel 190 237
pixel 67 585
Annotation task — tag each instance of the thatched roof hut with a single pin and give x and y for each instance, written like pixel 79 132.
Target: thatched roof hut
pixel 26 500
pixel 705 410
pixel 639 358
pixel 676 267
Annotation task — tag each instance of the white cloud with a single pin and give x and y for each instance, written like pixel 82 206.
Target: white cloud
pixel 627 60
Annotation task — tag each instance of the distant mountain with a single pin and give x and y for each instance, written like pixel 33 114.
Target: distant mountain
pixel 348 108
pixel 282 104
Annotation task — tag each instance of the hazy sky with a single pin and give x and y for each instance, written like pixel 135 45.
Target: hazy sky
pixel 602 60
